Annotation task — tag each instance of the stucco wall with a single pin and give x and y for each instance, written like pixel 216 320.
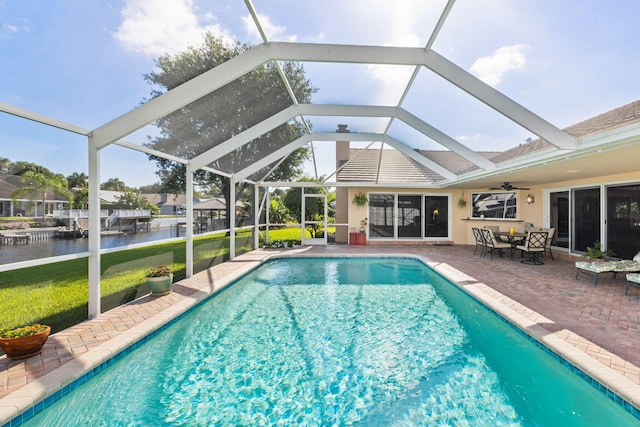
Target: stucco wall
pixel 534 213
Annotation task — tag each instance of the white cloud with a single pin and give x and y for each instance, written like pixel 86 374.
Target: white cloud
pixel 156 28
pixel 270 29
pixel 391 80
pixel 490 69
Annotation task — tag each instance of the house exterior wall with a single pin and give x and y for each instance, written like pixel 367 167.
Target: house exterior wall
pixel 461 224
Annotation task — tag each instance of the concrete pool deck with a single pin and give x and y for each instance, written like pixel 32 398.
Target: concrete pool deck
pixel 596 328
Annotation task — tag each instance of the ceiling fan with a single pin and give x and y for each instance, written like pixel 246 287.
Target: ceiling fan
pixel 508 187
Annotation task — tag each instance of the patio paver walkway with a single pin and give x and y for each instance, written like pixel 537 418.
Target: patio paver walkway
pixel 599 323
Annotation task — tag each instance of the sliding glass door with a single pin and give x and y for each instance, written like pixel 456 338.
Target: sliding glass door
pixel 437 216
pixel 408 216
pixel 623 220
pixel 559 218
pixel 586 218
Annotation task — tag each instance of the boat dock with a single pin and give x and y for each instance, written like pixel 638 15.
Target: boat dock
pixel 14 238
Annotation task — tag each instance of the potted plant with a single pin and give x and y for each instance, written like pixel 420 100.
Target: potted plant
pixel 596 252
pixel 363 225
pixel 159 280
pixel 462 202
pixel 23 341
pixel 360 199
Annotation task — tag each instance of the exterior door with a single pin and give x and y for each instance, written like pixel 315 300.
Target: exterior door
pixel 623 220
pixel 586 218
pixel 436 222
pixel 559 213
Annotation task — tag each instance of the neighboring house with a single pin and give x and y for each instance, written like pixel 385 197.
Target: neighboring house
pixel 582 198
pixel 169 204
pixel 213 208
pixel 109 198
pixel 211 214
pixel 25 205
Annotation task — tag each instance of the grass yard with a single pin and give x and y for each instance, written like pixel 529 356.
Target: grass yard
pixel 287 234
pixel 57 294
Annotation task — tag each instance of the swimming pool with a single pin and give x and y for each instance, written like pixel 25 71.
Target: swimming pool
pixel 324 341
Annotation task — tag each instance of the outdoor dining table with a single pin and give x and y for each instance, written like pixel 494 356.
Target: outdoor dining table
pixel 514 238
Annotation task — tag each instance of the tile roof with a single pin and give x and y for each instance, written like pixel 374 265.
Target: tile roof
pixel 10 183
pixel 396 167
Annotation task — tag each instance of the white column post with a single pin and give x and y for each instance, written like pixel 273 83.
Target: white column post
pixel 232 219
pixel 268 208
pixel 94 230
pixel 256 216
pixel 302 208
pixel 189 242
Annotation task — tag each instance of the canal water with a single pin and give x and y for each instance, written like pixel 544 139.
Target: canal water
pixel 37 249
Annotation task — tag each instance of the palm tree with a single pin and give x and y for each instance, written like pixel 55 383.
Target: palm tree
pixel 42 184
pixel 78 180
pixel 114 184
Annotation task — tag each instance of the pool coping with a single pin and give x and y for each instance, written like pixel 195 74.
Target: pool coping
pixel 161 310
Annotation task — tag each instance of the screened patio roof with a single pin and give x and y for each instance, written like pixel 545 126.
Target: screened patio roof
pixel 421 88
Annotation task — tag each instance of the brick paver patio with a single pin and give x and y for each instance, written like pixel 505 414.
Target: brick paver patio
pixel 598 321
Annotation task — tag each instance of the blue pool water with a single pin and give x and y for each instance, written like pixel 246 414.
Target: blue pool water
pixel 337 342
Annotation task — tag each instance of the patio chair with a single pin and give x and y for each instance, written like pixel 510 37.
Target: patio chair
pixel 551 232
pixel 633 280
pixel 477 235
pixel 594 268
pixel 492 244
pixel 495 229
pixel 534 245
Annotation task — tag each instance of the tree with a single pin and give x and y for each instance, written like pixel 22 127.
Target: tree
pixel 131 200
pixel 278 212
pixel 314 207
pixel 5 165
pixel 152 188
pixel 42 183
pixel 79 184
pixel 113 184
pixel 80 198
pixel 78 180
pixel 228 111
pixel 21 167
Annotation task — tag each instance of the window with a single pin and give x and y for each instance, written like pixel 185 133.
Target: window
pixel 494 205
pixel 437 219
pixel 623 219
pixel 408 216
pixel 381 207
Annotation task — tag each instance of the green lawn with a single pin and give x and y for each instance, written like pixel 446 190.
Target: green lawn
pixel 288 234
pixel 57 294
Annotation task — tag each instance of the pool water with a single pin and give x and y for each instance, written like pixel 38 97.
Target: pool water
pixel 380 341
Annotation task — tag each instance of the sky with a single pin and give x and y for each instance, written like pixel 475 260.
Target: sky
pixel 83 62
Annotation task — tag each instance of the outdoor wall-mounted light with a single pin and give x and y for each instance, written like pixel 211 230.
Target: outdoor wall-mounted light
pixel 530 199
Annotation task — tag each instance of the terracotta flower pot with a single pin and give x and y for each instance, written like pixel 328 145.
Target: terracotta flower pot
pixel 160 285
pixel 23 347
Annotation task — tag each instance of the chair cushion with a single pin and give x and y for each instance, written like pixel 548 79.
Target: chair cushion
pixel 596 267
pixel 636 258
pixel 603 266
pixel 634 277
pixel 626 265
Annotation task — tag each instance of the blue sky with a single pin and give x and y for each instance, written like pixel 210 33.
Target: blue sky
pixel 83 62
